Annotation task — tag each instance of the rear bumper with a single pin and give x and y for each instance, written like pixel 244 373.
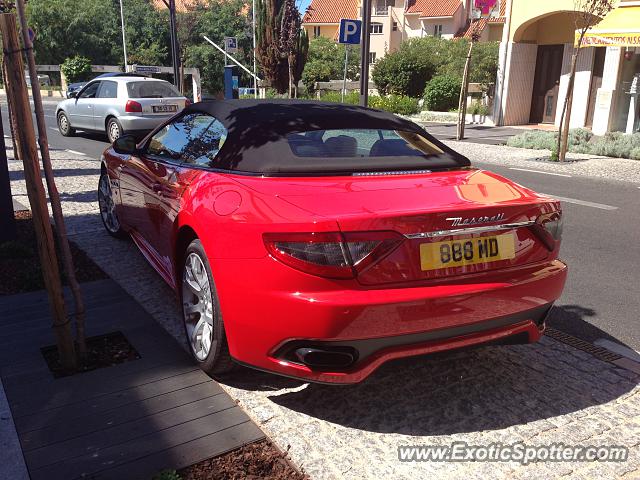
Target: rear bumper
pixel 267 327
pixel 134 123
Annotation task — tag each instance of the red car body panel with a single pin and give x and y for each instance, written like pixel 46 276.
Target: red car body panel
pixel 394 309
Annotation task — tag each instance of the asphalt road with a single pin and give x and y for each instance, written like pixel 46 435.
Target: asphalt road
pixel 601 241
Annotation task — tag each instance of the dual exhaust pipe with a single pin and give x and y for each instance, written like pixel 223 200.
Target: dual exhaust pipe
pixel 328 358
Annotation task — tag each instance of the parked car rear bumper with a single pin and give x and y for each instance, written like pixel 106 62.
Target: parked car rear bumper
pixel 135 123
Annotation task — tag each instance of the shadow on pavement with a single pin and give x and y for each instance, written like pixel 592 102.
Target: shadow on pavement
pixel 474 390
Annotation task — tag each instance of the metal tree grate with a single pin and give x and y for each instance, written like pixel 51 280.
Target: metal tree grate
pixel 598 352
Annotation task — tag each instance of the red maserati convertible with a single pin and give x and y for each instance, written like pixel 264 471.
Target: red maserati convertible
pixel 319 241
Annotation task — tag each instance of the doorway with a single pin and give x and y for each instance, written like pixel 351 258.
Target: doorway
pixel 546 84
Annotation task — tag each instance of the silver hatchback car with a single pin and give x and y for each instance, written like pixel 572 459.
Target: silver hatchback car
pixel 118 105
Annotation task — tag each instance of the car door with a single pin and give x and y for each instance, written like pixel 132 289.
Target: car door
pixel 152 185
pixel 104 102
pixel 81 111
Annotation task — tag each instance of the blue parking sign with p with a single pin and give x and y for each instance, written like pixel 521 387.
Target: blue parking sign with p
pixel 349 31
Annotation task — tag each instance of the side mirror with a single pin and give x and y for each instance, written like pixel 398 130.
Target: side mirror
pixel 125 145
pixel 73 94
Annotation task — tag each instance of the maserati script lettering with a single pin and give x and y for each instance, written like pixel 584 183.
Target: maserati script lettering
pixel 459 221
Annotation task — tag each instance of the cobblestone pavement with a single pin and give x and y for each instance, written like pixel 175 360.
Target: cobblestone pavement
pixel 537 394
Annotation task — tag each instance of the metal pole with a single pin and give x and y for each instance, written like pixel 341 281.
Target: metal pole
pixel 346 62
pixel 124 39
pixel 230 57
pixel 174 43
pixel 255 69
pixel 364 53
pixel 7 220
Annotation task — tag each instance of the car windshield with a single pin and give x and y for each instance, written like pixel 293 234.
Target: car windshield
pixel 348 151
pixel 151 89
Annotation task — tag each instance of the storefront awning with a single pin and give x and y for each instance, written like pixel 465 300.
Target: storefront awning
pixel 621 28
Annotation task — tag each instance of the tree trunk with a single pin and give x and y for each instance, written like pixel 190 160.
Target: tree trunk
pixel 290 65
pixel 462 104
pixel 25 137
pixel 54 197
pixel 564 124
pixel 12 121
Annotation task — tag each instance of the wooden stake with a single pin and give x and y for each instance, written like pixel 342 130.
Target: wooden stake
pixel 54 196
pixel 25 136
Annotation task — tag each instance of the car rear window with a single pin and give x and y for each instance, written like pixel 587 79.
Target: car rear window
pixel 151 89
pixel 348 152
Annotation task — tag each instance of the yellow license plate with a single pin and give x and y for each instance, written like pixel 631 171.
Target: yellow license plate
pixel 458 253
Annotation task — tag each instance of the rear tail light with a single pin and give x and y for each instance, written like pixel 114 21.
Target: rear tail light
pixel 548 228
pixel 132 107
pixel 331 254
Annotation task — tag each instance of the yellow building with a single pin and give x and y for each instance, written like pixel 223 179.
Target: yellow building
pixel 535 55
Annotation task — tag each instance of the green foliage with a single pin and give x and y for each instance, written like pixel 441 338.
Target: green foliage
pixel 478 108
pixel 406 71
pixel 76 69
pixel 216 19
pixel 399 104
pixel 534 139
pixel 91 28
pixel 167 475
pixel 442 93
pixel 581 140
pixel 326 62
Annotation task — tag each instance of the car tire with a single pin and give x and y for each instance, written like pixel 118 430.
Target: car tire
pixel 107 207
pixel 114 129
pixel 202 317
pixel 64 125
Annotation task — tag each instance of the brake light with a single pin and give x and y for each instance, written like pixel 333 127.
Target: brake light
pixel 133 107
pixel 331 254
pixel 548 228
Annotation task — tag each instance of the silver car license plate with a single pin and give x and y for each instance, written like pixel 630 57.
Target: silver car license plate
pixel 164 108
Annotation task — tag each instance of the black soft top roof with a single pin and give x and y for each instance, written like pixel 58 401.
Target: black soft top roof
pixel 256 128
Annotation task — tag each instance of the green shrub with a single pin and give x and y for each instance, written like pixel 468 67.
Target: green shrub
pixel 399 104
pixel 76 69
pixel 442 93
pixel 351 98
pixel 535 139
pixel 407 70
pixel 616 144
pixel 635 153
pixel 167 475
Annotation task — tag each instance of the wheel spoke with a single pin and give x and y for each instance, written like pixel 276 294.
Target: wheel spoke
pixel 200 324
pixel 190 309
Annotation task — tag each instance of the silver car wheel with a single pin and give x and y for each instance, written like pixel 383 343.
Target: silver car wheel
pixel 107 205
pixel 197 306
pixel 114 131
pixel 63 123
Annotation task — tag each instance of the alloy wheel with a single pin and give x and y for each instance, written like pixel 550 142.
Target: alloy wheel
pixel 197 306
pixel 114 131
pixel 107 205
pixel 63 123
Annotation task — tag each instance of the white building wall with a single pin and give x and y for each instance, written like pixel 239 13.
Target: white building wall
pixel 516 98
pixel 605 98
pixel 582 84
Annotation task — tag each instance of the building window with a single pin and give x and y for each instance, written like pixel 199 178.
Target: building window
pixel 381 7
pixel 437 31
pixel 395 26
pixel 376 28
pixel 316 31
pixel 372 58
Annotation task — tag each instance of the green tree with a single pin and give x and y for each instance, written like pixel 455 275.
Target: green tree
pixel 89 28
pixel 326 62
pixel 217 19
pixel 407 70
pixel 442 93
pixel 76 69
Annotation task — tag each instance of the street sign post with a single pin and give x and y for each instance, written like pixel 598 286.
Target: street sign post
pixel 364 53
pixel 349 34
pixel 230 46
pixel 350 31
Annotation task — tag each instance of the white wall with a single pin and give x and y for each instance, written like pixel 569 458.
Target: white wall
pixel 605 99
pixel 582 85
pixel 518 89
